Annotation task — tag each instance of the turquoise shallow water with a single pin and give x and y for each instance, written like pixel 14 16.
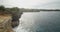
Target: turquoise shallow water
pixel 40 22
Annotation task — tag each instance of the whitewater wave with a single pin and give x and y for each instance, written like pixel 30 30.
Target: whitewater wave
pixel 21 29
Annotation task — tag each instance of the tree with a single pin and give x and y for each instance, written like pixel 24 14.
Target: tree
pixel 2 8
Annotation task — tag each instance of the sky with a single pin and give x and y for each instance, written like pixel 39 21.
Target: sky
pixel 36 4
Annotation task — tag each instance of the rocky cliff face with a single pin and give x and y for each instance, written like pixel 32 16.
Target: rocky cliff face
pixel 15 19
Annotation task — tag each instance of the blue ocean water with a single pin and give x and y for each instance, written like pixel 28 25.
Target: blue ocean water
pixel 44 21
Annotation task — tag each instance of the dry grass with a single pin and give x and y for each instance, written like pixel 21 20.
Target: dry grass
pixel 4 17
